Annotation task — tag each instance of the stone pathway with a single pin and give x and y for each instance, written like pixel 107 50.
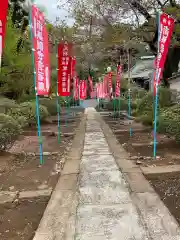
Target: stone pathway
pixel 103 206
pixel 105 209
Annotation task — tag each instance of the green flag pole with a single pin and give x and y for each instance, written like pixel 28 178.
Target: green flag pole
pixel 114 107
pixel 66 112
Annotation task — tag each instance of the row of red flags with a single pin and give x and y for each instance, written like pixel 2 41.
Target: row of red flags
pixel 67 75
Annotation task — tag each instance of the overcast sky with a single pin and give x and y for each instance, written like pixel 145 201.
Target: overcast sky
pixel 53 11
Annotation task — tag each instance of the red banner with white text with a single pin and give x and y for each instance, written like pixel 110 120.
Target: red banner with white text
pixel 82 90
pixel 110 84
pixel 76 88
pixel 91 86
pixel 41 53
pixel 118 78
pixel 73 67
pixel 106 86
pixel 166 30
pixel 3 15
pixel 64 69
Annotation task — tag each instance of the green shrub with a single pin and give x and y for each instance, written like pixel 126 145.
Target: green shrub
pixel 110 105
pixel 27 98
pixel 5 118
pixel 138 93
pixel 22 121
pixel 124 85
pixel 169 121
pixel 147 119
pixel 146 103
pixel 10 129
pixel 28 111
pixel 6 104
pixel 50 104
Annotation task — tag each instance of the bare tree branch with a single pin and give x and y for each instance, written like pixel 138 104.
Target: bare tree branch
pixel 136 4
pixel 160 3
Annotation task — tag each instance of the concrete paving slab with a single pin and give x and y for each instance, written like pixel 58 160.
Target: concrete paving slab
pixel 103 187
pixel 57 214
pixel 103 196
pixel 161 169
pixel 93 151
pixel 92 163
pixel 94 136
pixel 99 147
pixel 96 142
pixel 117 222
pixel 137 182
pixel 161 224
pixel 71 166
pixel 37 193
pixel 7 196
pixel 68 182
pixel 71 224
pixel 102 179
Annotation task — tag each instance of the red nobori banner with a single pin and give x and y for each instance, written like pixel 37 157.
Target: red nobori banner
pixel 41 53
pixel 64 69
pixel 82 90
pixel 76 88
pixel 90 84
pixel 73 67
pixel 3 15
pixel 165 30
pixel 105 86
pixel 110 82
pixel 102 93
pixel 118 78
pixel 97 90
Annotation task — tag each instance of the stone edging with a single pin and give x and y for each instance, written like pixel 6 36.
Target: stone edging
pixel 63 201
pixel 146 200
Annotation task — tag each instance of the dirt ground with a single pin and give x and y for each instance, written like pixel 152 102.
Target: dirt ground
pixel 140 144
pixel 20 170
pixel 19 222
pixel 140 147
pixel 168 188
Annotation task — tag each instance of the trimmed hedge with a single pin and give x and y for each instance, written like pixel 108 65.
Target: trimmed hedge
pixel 28 111
pixel 136 93
pixel 146 119
pixel 110 105
pixel 145 105
pixel 169 122
pixel 50 104
pixel 6 103
pixel 9 129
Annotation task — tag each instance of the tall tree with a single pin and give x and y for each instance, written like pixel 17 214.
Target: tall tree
pixel 141 15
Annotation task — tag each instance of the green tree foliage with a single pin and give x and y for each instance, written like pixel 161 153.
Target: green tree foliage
pixel 16 74
pixel 108 21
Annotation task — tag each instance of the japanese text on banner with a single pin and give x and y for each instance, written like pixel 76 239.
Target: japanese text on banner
pixel 118 75
pixel 166 30
pixel 40 44
pixel 64 66
pixel 82 90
